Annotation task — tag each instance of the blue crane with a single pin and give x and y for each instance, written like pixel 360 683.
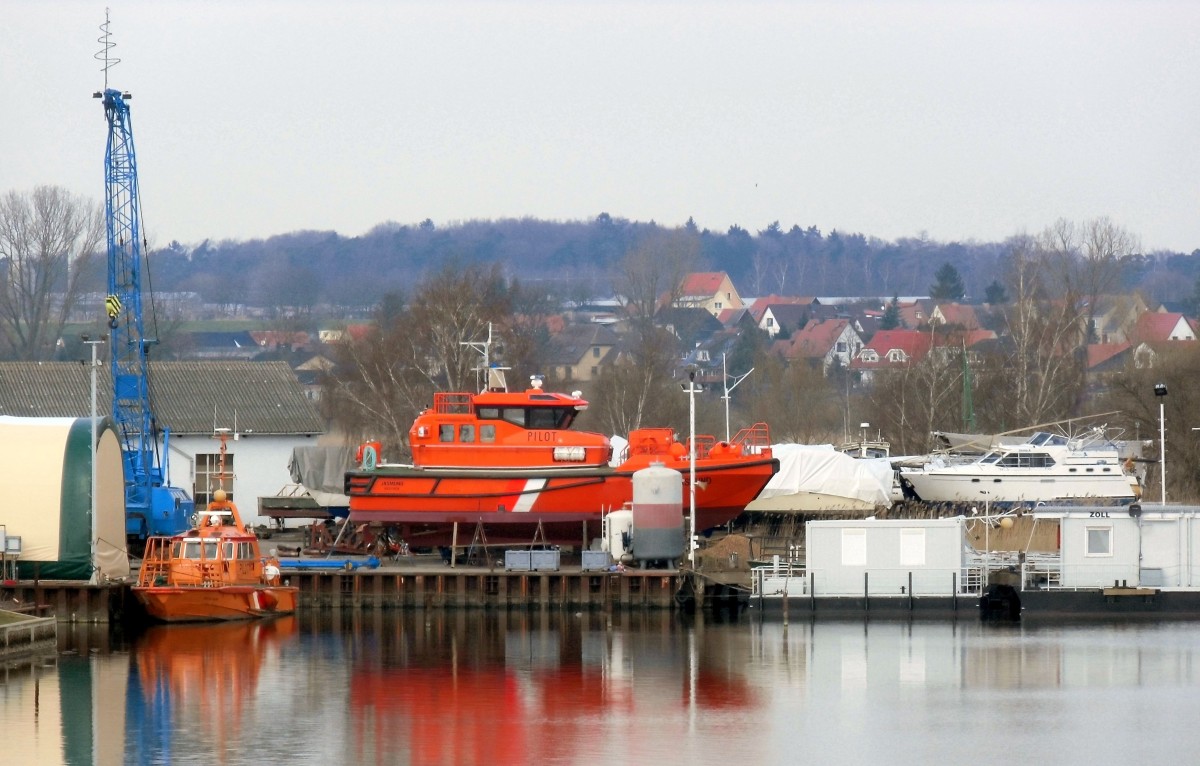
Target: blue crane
pixel 152 506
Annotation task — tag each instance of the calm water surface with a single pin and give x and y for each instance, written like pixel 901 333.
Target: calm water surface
pixel 644 688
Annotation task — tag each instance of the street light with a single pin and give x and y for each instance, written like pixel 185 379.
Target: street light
pixel 1160 393
pixel 691 390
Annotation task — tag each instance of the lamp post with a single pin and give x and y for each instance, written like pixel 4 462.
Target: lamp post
pixel 1160 393
pixel 92 506
pixel 691 389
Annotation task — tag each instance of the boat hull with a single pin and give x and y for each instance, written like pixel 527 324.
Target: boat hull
pixel 953 486
pixel 230 602
pixel 567 504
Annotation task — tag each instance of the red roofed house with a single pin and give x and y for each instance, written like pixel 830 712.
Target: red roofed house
pixel 759 305
pixel 891 349
pixel 1157 332
pixel 955 315
pixel 1154 327
pixel 1105 358
pixel 829 342
pixel 915 314
pixel 709 290
pixel 783 316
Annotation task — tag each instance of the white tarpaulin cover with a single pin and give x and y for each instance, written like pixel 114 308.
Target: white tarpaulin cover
pixel 322 471
pixel 818 477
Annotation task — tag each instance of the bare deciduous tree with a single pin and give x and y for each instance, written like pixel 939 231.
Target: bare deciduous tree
pixel 1085 260
pixel 639 387
pixel 48 238
pixel 654 270
pixel 910 402
pixel 1044 373
pixel 385 377
pixel 798 402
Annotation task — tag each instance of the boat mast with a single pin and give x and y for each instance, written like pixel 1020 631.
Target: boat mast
pixel 487 377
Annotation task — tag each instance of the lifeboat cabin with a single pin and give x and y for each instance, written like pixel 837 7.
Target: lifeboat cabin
pixel 499 429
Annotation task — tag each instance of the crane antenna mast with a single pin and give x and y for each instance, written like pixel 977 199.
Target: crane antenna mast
pixel 106 46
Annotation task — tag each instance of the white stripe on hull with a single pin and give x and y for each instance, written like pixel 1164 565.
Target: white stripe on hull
pixel 533 488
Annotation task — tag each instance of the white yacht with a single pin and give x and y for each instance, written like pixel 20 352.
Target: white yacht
pixel 1048 467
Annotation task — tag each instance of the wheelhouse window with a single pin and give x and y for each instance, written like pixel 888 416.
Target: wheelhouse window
pixel 466 433
pixel 192 549
pixel 514 415
pixel 446 432
pixel 487 433
pixel 551 417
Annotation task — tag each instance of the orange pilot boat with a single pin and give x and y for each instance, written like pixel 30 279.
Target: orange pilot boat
pixel 214 571
pixel 510 462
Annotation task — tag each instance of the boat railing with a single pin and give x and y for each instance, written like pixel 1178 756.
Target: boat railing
pixel 784 579
pixel 754 440
pixel 704 445
pixel 1048 572
pixel 1041 572
pixel 452 403
pixel 156 562
pixel 157 567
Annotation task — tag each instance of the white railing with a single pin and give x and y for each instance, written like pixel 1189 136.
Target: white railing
pixel 783 579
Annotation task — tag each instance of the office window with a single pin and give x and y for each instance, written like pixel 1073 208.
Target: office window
pixel 1098 541
pixel 912 547
pixel 854 547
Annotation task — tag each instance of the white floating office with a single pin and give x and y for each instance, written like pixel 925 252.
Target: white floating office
pixel 1145 546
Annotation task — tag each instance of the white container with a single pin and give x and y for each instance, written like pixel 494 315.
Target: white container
pixel 618 533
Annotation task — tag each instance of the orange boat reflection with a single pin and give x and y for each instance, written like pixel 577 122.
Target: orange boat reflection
pixel 204 672
pixel 502 712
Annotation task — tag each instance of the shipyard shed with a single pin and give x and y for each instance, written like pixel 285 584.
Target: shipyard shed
pixel 263 405
pixel 885 557
pixel 45 498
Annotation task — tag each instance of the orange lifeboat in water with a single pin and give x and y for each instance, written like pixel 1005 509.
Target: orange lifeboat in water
pixel 213 571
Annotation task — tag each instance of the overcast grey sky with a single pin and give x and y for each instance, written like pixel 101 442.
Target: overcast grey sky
pixel 959 120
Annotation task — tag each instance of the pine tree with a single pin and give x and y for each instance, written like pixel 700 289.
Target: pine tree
pixel 995 294
pixel 891 315
pixel 949 285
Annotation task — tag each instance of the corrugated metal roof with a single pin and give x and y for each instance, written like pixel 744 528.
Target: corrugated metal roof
pixel 188 397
